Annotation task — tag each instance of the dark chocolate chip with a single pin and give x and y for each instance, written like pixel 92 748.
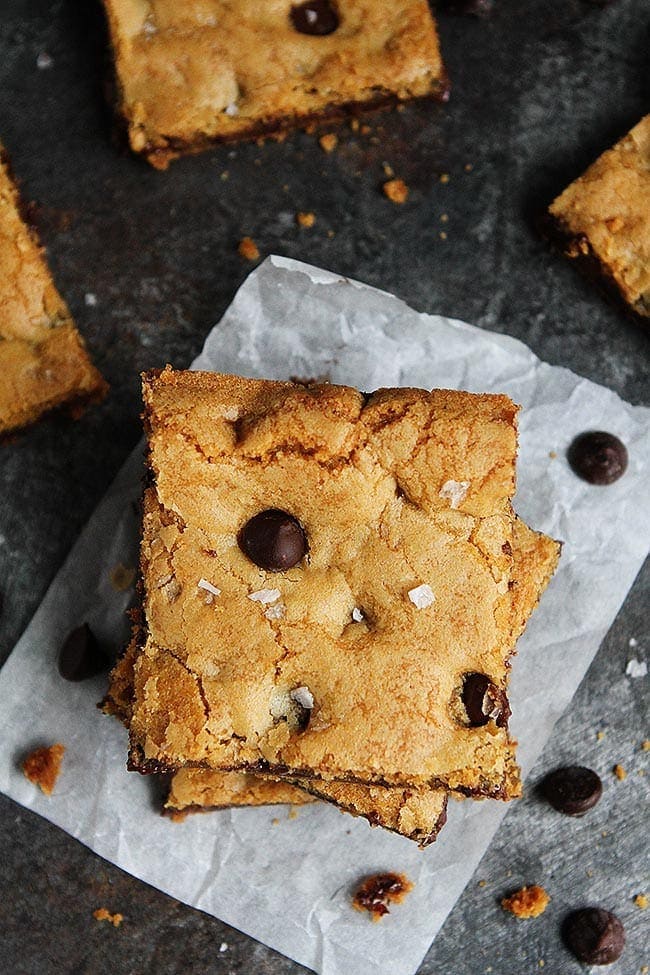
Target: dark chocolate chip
pixel 594 935
pixel 572 790
pixel 482 701
pixel 598 457
pixel 317 17
pixel 81 656
pixel 274 540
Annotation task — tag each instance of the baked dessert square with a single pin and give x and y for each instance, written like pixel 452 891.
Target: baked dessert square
pixel 603 218
pixel 195 790
pixel 43 359
pixel 205 71
pixel 326 583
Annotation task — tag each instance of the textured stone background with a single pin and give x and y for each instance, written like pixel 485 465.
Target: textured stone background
pixel 538 91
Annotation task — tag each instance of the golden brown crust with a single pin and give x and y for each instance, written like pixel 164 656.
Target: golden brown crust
pixel 43 766
pixel 43 358
pixel 375 485
pixel 604 216
pixel 191 789
pixel 209 71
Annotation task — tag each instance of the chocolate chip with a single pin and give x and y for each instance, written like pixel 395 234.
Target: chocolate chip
pixel 317 17
pixel 594 935
pixel 598 457
pixel 274 540
pixel 572 790
pixel 482 701
pixel 81 656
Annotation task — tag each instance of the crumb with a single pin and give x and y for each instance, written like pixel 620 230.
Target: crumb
pixel 305 219
pixel 257 162
pixel 641 900
pixel 293 813
pixel 285 188
pixel 178 815
pixel 541 963
pixel 44 61
pixel 444 177
pixel 42 767
pixel 619 772
pixel 644 970
pixel 248 248
pixel 223 947
pixel 328 142
pixel 225 176
pixel 354 124
pixel 645 745
pixel 310 129
pixel 468 167
pixel 90 300
pixel 444 218
pixel 600 735
pixel 275 821
pixel 122 577
pixel 633 642
pixel 589 873
pixel 365 130
pixel 401 107
pixel 443 235
pixel 636 668
pixel 396 190
pixel 375 893
pixel 388 170
pixel 482 883
pixel 552 454
pixel 331 233
pixel 527 902
pixel 101 914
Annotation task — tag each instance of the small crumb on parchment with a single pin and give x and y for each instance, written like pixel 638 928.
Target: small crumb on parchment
pixel 600 735
pixel 42 767
pixel 122 577
pixel 101 914
pixel 641 901
pixel 396 190
pixel 305 219
pixel 248 249
pixel 527 902
pixel 619 772
pixel 375 893
pixel 645 745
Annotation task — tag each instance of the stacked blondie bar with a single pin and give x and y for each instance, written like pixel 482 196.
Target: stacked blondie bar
pixel 332 586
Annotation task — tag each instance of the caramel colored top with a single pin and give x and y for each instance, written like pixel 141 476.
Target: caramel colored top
pixel 608 210
pixel 207 69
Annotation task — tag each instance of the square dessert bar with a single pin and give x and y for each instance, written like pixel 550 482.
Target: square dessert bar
pixel 204 71
pixel 418 814
pixel 326 583
pixel 603 218
pixel 43 359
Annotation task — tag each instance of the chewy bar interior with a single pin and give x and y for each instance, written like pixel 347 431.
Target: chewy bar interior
pixel 326 583
pixel 417 814
pixel 604 217
pixel 43 358
pixel 194 73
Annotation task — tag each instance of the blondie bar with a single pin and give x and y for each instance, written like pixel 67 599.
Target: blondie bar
pixel 43 359
pixel 603 218
pixel 204 71
pixel 327 583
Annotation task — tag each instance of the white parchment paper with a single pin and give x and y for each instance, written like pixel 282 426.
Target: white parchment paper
pixel 288 883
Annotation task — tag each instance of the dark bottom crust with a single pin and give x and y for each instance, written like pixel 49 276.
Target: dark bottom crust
pixel 161 156
pixel 152 766
pixel 577 247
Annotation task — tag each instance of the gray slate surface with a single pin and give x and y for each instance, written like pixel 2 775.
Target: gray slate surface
pixel 538 91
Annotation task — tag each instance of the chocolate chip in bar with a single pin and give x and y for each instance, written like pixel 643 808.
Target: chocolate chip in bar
pixel 595 936
pixel 598 457
pixel 81 655
pixel 316 17
pixel 482 701
pixel 274 540
pixel 572 790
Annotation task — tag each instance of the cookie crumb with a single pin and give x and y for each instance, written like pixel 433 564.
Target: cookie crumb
pixel 444 218
pixel 600 735
pixel 468 167
pixel 619 772
pixel 375 893
pixel 645 745
pixel 636 668
pixel 90 300
pixel 101 914
pixel 365 130
pixel 223 947
pixel 552 454
pixel 527 902
pixel 293 813
pixel 444 177
pixel 641 901
pixel 396 190
pixel 42 767
pixel 388 170
pixel 443 235
pixel 44 61
pixel 248 249
pixel 354 124
pixel 482 883
pixel 328 142
pixel 305 219
pixel 122 577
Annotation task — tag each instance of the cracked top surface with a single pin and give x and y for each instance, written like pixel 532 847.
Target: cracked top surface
pixel 609 205
pixel 218 68
pixel 43 359
pixel 366 481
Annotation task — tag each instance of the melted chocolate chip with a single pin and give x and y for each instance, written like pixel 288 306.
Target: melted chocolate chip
pixel 316 17
pixel 572 790
pixel 81 656
pixel 598 457
pixel 482 701
pixel 274 540
pixel 594 935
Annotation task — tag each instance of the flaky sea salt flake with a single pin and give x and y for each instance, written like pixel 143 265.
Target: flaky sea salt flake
pixel 357 615
pixel 275 612
pixel 302 696
pixel 204 584
pixel 454 492
pixel 422 596
pixel 265 596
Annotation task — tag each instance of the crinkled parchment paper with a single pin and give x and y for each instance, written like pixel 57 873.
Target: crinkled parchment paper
pixel 288 883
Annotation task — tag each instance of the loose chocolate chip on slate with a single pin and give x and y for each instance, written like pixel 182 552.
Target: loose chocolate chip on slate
pixel 317 17
pixel 598 457
pixel 482 701
pixel 572 790
pixel 594 935
pixel 81 656
pixel 274 540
